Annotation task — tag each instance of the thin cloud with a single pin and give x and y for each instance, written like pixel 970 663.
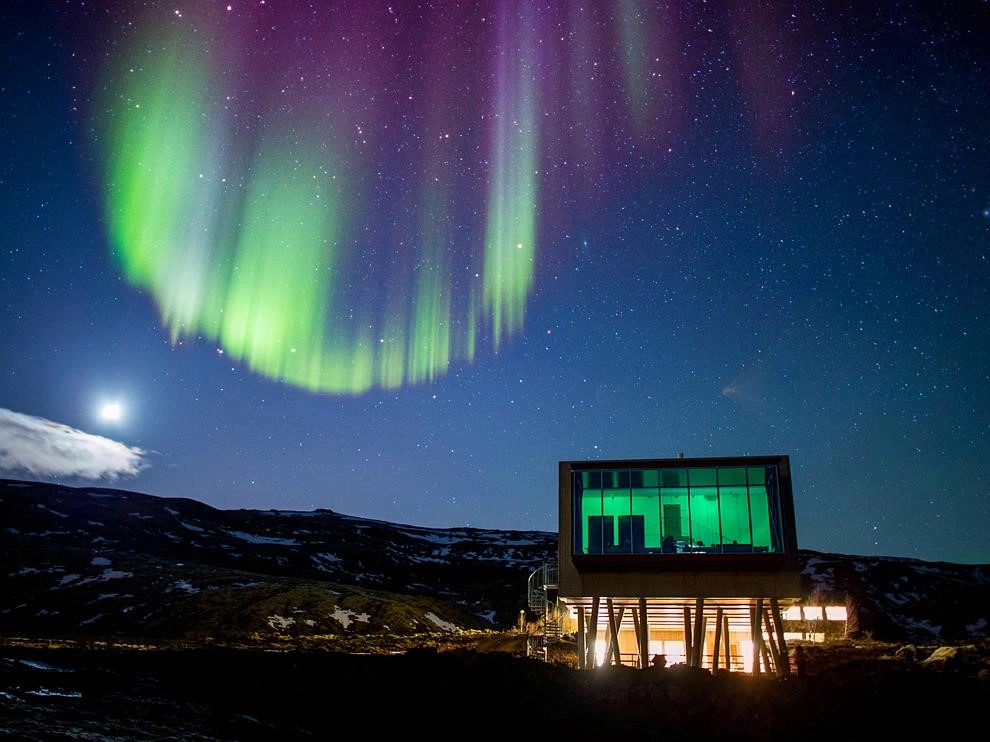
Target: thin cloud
pixel 40 447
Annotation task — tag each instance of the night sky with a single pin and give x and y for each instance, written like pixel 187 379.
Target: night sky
pixel 400 259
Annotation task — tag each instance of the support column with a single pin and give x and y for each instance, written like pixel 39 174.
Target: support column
pixel 582 627
pixel 612 650
pixel 778 619
pixel 767 665
pixel 698 647
pixel 756 633
pixel 771 641
pixel 718 639
pixel 592 631
pixel 688 644
pixel 728 643
pixel 643 624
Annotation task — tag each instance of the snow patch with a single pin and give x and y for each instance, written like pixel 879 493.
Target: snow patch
pixel 280 622
pixel 47 693
pixel 107 574
pixel 433 538
pixel 183 585
pixel 326 562
pixel 924 626
pixel 977 628
pixel 255 539
pixel 39 665
pixel 345 617
pixel 112 574
pixel 445 625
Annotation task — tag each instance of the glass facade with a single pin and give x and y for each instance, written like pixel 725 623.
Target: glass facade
pixel 687 510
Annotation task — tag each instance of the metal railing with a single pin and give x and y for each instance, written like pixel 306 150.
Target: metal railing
pixel 550 630
pixel 540 582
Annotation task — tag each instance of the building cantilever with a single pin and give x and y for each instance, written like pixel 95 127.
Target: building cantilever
pixel 688 558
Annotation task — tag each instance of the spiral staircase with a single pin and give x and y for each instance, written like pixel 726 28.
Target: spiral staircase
pixel 542 599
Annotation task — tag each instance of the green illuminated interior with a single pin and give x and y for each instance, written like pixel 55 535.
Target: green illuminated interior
pixel 701 510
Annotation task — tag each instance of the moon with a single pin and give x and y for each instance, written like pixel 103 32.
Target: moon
pixel 111 412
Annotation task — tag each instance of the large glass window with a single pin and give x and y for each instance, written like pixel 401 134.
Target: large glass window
pixel 645 509
pixel 765 508
pixel 733 505
pixel 689 510
pixel 703 504
pixel 588 498
pixel 615 505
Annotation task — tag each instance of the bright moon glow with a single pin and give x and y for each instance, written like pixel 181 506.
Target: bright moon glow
pixel 111 411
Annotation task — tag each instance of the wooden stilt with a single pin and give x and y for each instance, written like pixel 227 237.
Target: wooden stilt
pixel 718 639
pixel 582 627
pixel 698 646
pixel 771 641
pixel 644 634
pixel 728 644
pixel 784 669
pixel 593 630
pixel 765 653
pixel 688 650
pixel 756 633
pixel 612 650
pixel 637 630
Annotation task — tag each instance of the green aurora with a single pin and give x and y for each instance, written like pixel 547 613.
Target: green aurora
pixel 261 250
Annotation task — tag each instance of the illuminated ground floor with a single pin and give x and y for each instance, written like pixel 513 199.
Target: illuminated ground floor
pixel 740 635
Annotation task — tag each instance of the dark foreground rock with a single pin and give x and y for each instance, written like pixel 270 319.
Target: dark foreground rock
pixel 463 694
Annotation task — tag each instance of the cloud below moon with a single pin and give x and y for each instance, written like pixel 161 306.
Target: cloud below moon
pixel 40 447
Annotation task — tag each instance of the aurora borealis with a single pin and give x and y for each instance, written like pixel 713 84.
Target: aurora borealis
pixel 257 237
pixel 241 195
pixel 399 259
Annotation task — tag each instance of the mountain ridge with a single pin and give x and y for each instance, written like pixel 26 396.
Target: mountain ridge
pixel 82 561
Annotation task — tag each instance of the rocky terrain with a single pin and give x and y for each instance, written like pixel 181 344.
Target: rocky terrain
pixel 127 616
pixel 847 690
pixel 104 562
pixel 111 562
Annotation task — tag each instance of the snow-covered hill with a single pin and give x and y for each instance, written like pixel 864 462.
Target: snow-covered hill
pixel 109 562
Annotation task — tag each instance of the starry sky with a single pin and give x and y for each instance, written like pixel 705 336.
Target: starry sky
pixel 400 259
